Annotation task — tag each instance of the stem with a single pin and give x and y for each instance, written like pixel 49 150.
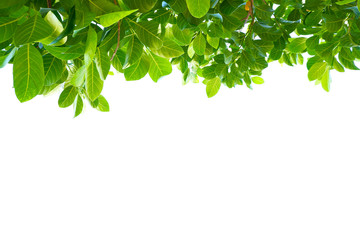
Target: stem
pixel 49 3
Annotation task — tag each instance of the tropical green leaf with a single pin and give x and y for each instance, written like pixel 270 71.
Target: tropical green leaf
pixel 28 73
pixel 317 71
pixel 103 105
pixel 109 19
pixel 102 61
pixel 147 32
pixel 159 67
pixel 90 47
pixel 93 82
pixel 53 69
pixel 78 107
pixel 199 44
pixel 134 51
pixel 67 97
pixel 34 29
pixel 138 70
pixel 198 8
pixel 170 49
pixel 7 28
pixel 212 86
pixel 66 53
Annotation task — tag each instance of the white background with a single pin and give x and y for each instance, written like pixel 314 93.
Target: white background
pixel 279 162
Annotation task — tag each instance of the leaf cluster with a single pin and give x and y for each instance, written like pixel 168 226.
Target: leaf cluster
pixel 72 44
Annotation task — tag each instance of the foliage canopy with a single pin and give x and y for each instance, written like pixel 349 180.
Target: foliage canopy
pixel 72 44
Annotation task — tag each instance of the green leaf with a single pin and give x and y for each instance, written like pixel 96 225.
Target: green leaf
pixel 147 32
pixel 257 80
pixel 297 45
pixel 93 82
pixel 78 107
pixel 109 19
pixel 170 49
pixel 326 80
pixel 5 59
pixel 134 50
pixel 317 71
pixel 53 69
pixel 54 38
pixel 10 3
pixel 28 73
pixel 142 5
pixel 66 53
pixel 184 37
pixel 198 8
pixel 345 2
pixel 138 70
pixel 102 61
pixel 67 97
pixel 199 44
pixel 212 86
pixel 78 78
pixel 90 46
pixel 101 7
pixel 7 28
pixel 103 105
pixel 34 29
pixel 159 67
pixel 332 22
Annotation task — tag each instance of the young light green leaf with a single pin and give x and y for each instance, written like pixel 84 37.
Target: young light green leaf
pixel 28 73
pixel 257 80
